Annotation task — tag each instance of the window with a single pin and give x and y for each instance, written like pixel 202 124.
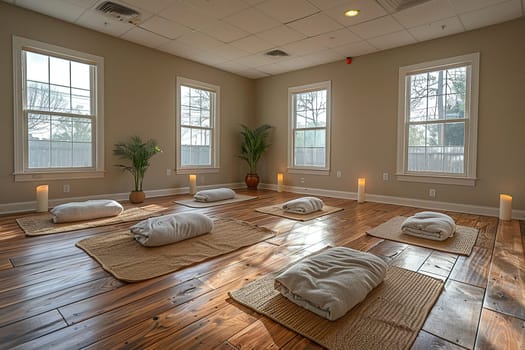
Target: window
pixel 437 122
pixel 197 126
pixel 58 112
pixel 309 131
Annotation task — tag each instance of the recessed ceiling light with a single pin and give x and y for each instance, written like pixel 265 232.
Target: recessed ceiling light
pixel 351 13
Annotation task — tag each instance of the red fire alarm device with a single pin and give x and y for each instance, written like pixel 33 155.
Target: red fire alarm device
pixel 349 60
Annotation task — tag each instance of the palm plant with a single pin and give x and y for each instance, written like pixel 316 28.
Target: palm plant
pixel 139 153
pixel 254 144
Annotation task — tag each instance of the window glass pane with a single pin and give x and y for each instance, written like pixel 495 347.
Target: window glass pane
pixel 38 127
pixel 82 130
pixel 37 68
pixel 455 106
pixel 59 98
pixel 418 85
pixel 309 148
pixel 80 75
pixel 82 154
pixel 61 129
pixel 418 109
pixel 195 107
pixel 310 108
pixel 81 101
pixel 456 81
pixel 436 83
pixel 59 71
pixel 195 147
pixel 37 96
pixel 61 154
pixel 416 135
pixel 39 154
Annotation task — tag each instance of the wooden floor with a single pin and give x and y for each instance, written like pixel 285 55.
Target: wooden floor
pixel 54 296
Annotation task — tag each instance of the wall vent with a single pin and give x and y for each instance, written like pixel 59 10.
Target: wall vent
pixel 393 6
pixel 277 53
pixel 119 12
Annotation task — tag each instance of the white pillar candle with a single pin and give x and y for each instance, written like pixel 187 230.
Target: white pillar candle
pixel 505 207
pixel 193 184
pixel 280 181
pixel 41 198
pixel 361 190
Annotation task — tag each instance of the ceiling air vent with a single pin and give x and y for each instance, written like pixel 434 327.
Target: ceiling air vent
pixel 392 6
pixel 119 12
pixel 276 53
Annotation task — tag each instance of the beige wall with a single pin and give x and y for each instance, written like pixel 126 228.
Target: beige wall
pixel 364 117
pixel 139 99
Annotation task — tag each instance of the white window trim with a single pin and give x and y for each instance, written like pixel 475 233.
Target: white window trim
pixel 292 169
pixel 21 172
pixel 216 128
pixel 471 134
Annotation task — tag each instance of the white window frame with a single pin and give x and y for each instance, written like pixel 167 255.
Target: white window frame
pixel 468 178
pixel 215 124
pixel 312 170
pixel 21 170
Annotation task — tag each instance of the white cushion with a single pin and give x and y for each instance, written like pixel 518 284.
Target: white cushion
pixel 91 209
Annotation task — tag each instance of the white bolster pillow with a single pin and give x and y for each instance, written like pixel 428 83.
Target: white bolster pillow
pixel 303 205
pixel 214 195
pixel 332 282
pixel 91 209
pixel 171 228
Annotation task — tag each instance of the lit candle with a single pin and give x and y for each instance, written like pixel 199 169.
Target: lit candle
pixel 280 180
pixel 505 207
pixel 41 198
pixel 193 184
pixel 361 190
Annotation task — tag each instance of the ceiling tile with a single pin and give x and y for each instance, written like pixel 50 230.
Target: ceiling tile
pixel 224 32
pixel 355 49
pixel 322 57
pixel 427 12
pixel 229 52
pixel 86 4
pixel 376 27
pixel 327 4
pixel 144 37
pixel 164 27
pixel 303 47
pixel 281 35
pixel 252 20
pixel 368 10
pixel 257 60
pixel 153 6
pixel 55 8
pixel 391 40
pixel 469 5
pixel 338 38
pixel 287 11
pixel 218 8
pixel 437 29
pixel 186 14
pixel 273 68
pixel 199 40
pixel 315 25
pixel 491 15
pixel 101 23
pixel 252 44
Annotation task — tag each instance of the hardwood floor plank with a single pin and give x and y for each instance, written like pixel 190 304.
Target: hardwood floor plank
pixel 301 343
pixel 499 331
pixel 473 269
pixel 30 328
pixel 456 314
pixel 506 286
pixel 5 264
pixel 439 263
pixel 426 341
pixel 262 334
pixel 412 258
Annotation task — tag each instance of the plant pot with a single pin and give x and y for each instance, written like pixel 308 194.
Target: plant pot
pixel 137 197
pixel 252 181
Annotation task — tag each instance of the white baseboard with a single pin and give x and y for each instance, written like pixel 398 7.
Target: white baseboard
pixel 11 208
pixel 409 202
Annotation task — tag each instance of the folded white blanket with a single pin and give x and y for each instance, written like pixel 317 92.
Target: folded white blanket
pixel 332 282
pixel 91 209
pixel 430 225
pixel 214 195
pixel 303 205
pixel 171 228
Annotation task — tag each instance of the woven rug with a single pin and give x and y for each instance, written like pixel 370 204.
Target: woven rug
pixel 127 260
pixel 194 204
pixel 278 211
pixel 41 224
pixel 389 318
pixel 461 243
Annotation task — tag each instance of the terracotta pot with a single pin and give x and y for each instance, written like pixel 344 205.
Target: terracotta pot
pixel 252 181
pixel 137 197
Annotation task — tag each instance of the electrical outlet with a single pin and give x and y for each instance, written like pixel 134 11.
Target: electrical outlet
pixel 302 181
pixel 66 188
pixel 338 174
pixel 168 172
pixel 432 193
pixel 385 176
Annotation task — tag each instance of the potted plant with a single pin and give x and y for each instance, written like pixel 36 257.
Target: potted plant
pixel 254 144
pixel 139 154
